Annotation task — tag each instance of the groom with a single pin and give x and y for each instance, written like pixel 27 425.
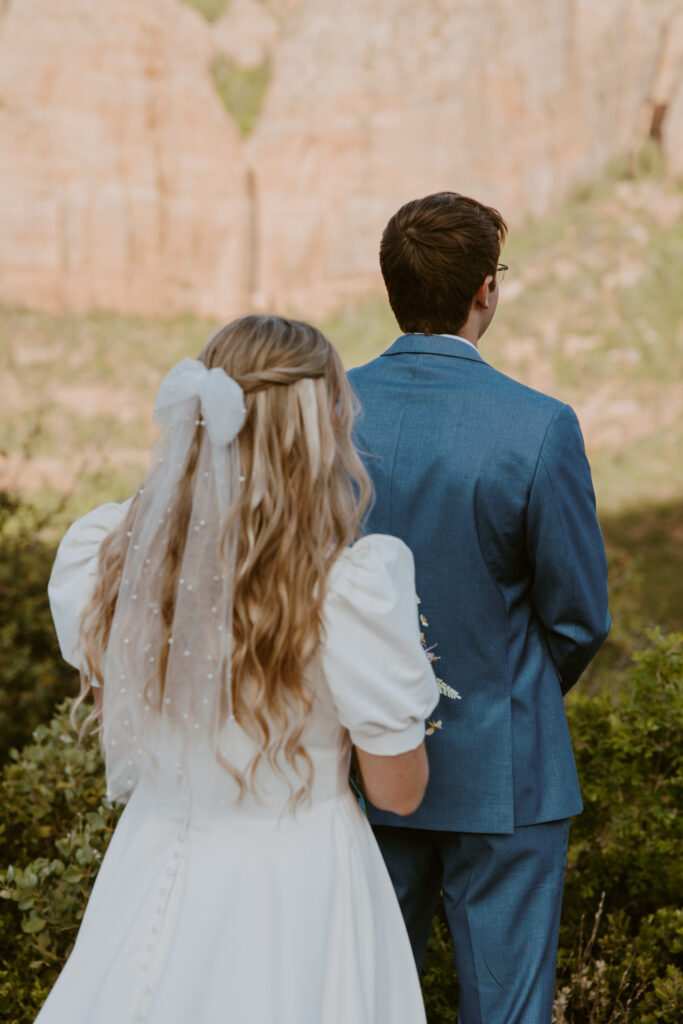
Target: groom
pixel 488 484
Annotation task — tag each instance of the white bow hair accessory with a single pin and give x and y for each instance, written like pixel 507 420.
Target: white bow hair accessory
pixel 221 399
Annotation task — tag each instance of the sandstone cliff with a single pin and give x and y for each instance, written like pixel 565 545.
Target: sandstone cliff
pixel 125 183
pixel 121 177
pixel 514 102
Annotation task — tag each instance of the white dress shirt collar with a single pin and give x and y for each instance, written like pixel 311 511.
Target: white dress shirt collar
pixel 456 336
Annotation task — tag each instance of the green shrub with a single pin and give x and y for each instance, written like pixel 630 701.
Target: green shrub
pixel 625 873
pixel 55 825
pixel 630 759
pixel 439 983
pixel 622 926
pixel 623 971
pixel 33 676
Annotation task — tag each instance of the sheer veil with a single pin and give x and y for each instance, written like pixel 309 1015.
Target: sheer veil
pixel 167 693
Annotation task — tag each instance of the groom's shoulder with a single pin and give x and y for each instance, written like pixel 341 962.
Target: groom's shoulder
pixel 357 374
pixel 501 384
pixel 490 384
pixel 518 408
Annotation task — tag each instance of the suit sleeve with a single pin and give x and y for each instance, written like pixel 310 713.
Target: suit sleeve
pixel 566 550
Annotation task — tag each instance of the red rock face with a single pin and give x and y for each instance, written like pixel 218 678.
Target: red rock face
pixel 121 178
pixel 124 183
pixel 514 104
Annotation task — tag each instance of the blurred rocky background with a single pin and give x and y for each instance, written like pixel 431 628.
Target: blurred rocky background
pixel 171 164
pixel 221 155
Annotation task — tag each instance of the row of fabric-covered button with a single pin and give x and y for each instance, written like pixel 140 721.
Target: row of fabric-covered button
pixel 170 877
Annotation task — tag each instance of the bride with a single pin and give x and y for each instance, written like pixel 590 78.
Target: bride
pixel 237 643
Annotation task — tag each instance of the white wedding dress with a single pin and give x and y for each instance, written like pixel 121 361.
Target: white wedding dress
pixel 252 915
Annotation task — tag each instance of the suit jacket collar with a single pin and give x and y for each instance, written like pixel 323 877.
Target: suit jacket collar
pixel 433 344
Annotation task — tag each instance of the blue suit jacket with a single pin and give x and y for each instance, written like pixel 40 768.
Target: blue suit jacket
pixel 487 482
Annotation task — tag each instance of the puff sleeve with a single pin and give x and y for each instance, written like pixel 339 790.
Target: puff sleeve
pixel 73 573
pixel 380 678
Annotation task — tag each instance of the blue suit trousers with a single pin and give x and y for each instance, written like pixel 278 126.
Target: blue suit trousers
pixel 503 897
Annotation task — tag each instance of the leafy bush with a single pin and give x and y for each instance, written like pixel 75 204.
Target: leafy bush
pixel 622 928
pixel 54 826
pixel 622 925
pixel 625 873
pixel 630 759
pixel 33 676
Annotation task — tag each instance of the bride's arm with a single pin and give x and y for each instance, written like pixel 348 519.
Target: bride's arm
pixel 73 574
pixel 395 783
pixel 381 680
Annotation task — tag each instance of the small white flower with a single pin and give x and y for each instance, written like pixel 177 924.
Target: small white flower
pixel 447 690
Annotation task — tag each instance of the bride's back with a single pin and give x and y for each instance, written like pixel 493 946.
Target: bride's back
pixel 207 612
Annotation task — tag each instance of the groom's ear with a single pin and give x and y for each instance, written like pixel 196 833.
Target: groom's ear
pixel 483 293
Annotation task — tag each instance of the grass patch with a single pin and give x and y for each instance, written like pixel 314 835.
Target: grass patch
pixel 362 332
pixel 211 9
pixel 591 312
pixel 77 397
pixel 242 90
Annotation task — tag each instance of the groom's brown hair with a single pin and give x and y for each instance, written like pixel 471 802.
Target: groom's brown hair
pixel 435 253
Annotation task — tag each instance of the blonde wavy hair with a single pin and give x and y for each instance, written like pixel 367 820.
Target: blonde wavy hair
pixel 304 495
